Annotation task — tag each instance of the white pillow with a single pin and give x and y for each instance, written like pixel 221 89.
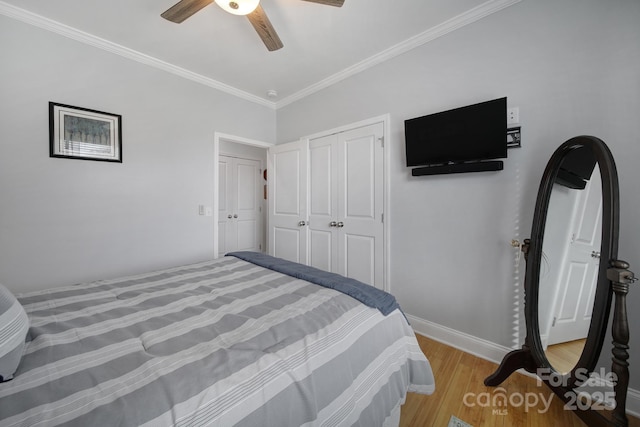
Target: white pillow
pixel 14 325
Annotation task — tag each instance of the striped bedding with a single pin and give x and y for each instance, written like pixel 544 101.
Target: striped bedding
pixel 222 343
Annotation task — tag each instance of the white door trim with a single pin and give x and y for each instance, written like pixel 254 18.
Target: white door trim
pixel 217 137
pixel 385 119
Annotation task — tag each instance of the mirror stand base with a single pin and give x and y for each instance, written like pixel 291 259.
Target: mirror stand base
pixel 511 362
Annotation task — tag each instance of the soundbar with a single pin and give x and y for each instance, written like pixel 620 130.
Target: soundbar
pixel 494 165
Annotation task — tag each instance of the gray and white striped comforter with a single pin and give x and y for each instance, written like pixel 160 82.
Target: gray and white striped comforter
pixel 222 343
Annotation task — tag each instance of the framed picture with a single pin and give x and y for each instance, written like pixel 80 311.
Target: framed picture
pixel 80 133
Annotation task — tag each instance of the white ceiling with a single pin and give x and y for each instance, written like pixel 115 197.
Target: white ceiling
pixel 322 44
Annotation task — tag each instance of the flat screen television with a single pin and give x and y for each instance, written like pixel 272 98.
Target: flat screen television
pixel 472 133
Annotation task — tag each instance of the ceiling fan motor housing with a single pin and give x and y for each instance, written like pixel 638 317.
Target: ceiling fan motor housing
pixel 238 7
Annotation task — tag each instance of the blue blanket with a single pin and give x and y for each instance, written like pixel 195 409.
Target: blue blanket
pixel 366 294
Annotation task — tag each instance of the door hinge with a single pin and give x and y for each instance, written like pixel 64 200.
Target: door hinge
pixel 554 321
pixel 382 217
pixel 381 139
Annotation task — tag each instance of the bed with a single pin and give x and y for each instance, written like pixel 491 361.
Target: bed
pixel 245 340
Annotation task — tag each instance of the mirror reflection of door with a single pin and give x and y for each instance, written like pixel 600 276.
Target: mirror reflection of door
pixel 569 276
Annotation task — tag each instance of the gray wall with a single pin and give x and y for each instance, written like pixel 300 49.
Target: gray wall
pixel 572 68
pixel 64 221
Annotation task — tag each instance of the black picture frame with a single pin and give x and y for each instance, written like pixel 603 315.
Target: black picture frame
pixel 84 134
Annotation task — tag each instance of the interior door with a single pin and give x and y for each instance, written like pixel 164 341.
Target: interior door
pixel 360 204
pixel 287 200
pixel 323 203
pixel 574 303
pixel 346 204
pixel 239 219
pixel 226 226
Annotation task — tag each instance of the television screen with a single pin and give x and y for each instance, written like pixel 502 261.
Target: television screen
pixel 474 132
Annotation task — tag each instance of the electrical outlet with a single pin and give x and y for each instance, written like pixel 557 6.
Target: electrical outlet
pixel 513 115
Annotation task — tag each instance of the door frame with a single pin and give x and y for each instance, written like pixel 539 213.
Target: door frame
pixel 385 119
pixel 217 137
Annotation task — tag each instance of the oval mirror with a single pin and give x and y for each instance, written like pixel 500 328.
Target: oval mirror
pixel 572 273
pixel 574 237
pixel 570 259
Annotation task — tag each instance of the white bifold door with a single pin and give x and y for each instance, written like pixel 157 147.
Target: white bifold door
pixel 239 216
pixel 343 229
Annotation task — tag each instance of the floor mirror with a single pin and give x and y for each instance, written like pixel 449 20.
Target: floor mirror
pixel 573 281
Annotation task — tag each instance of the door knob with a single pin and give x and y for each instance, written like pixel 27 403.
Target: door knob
pixel 302 223
pixel 340 224
pixel 595 254
pixel 229 216
pixel 235 215
pixel 333 224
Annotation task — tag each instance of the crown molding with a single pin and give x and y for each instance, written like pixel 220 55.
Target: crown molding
pixel 89 39
pixel 459 21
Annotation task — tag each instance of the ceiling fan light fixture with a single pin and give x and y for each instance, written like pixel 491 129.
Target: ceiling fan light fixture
pixel 238 7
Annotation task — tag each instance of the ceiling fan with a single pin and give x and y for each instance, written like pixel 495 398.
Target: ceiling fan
pixel 251 8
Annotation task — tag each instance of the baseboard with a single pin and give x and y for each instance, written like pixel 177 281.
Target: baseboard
pixel 488 350
pixel 465 342
pixel 633 402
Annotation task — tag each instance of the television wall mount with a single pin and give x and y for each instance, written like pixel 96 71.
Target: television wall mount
pixel 513 137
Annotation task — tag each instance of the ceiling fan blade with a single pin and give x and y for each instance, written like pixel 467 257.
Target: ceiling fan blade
pixel 336 3
pixel 184 9
pixel 265 30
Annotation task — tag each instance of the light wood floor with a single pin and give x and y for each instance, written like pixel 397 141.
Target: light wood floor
pixel 458 373
pixel 564 356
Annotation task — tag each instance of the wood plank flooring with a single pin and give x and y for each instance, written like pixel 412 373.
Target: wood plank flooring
pixel 458 374
pixel 564 356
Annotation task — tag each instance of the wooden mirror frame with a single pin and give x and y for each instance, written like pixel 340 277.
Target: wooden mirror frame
pixel 613 278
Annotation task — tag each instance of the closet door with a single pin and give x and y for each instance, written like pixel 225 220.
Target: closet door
pixel 360 204
pixel 226 227
pixel 323 203
pixel 346 187
pixel 239 205
pixel 287 196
